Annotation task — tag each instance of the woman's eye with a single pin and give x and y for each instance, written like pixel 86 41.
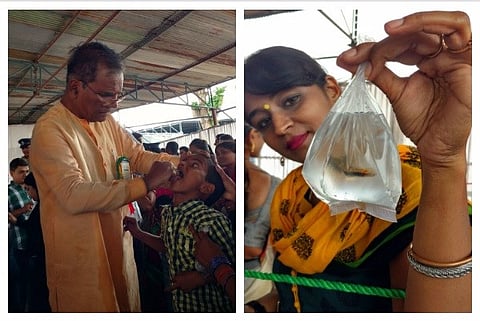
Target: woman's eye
pixel 262 124
pixel 291 101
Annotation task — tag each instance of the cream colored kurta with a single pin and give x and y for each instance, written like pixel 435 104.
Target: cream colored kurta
pixel 90 262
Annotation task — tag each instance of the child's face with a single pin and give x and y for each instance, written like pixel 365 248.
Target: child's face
pixel 19 174
pixel 191 174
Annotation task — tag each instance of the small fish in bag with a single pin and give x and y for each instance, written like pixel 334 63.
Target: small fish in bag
pixel 353 161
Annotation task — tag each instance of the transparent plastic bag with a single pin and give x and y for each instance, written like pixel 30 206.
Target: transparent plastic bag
pixel 353 161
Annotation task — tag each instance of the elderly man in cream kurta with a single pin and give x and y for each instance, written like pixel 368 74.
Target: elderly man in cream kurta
pixel 75 146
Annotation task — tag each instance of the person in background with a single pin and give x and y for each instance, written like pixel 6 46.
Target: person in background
pixel 151 265
pixel 172 148
pixel 153 147
pixel 20 205
pixel 196 186
pixel 138 137
pixel 428 250
pixel 222 137
pixel 87 188
pixel 227 202
pixel 198 145
pixel 37 291
pixel 25 147
pixel 226 167
pixel 225 153
pixel 259 189
pixel 183 151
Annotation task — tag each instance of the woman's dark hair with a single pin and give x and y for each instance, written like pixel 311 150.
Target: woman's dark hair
pixel 223 136
pixel 203 145
pixel 274 69
pixel 172 148
pixel 85 59
pixel 247 129
pixel 214 178
pixel 230 145
pixel 246 177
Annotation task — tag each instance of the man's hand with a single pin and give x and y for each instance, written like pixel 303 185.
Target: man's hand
pixel 230 186
pixel 159 175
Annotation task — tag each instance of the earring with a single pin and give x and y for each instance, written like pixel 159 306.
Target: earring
pixel 266 106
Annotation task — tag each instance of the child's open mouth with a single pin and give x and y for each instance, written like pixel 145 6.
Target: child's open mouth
pixel 177 176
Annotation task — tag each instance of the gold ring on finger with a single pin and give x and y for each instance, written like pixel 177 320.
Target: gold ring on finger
pixel 440 47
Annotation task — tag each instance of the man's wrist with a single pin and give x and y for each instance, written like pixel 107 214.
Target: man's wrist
pixel 146 180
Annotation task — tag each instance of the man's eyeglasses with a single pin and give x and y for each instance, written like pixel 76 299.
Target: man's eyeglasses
pixel 106 96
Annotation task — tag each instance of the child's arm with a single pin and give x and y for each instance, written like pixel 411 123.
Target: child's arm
pixel 22 210
pixel 153 241
pixel 188 280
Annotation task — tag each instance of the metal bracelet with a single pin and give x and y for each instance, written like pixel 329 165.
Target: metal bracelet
pixel 439 273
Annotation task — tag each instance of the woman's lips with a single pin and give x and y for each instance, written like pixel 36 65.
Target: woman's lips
pixel 296 141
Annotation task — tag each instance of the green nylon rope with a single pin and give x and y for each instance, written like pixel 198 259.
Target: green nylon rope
pixel 328 285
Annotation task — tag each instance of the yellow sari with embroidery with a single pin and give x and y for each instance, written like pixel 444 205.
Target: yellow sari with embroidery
pixel 308 238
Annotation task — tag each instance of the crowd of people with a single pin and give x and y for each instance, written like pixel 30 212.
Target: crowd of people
pixel 123 228
pixel 93 190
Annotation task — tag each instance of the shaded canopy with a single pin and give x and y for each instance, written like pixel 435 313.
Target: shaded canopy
pixel 167 53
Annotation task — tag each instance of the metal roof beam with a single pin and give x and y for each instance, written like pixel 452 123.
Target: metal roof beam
pixel 193 64
pixel 353 41
pixel 49 45
pixel 155 32
pixel 107 21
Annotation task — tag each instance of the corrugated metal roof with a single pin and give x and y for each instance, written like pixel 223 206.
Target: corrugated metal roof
pixel 167 53
pixel 253 14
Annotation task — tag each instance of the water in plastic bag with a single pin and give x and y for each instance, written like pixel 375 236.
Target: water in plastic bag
pixel 353 161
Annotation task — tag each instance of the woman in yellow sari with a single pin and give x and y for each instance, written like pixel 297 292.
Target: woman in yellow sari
pixel 427 252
